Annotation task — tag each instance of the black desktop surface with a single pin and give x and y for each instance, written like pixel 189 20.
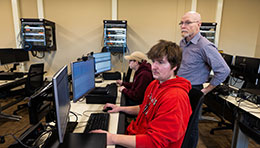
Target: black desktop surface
pixel 74 140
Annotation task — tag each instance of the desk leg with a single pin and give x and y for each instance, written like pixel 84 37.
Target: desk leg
pixel 239 139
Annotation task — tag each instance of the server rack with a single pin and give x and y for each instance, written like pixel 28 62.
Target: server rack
pixel 208 30
pixel 38 34
pixel 115 36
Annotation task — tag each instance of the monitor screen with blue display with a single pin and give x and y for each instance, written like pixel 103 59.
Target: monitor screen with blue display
pixel 102 62
pixel 83 78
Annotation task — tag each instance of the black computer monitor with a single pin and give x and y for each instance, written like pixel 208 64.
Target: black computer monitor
pixel 247 69
pixel 62 101
pixel 102 62
pixel 21 55
pixel 83 78
pixel 252 72
pixel 228 58
pixel 6 56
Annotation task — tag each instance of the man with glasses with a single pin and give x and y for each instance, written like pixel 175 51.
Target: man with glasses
pixel 164 114
pixel 134 91
pixel 199 57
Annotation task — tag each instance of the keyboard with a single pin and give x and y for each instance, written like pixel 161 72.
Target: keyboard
pixel 111 75
pixel 97 121
pixel 225 90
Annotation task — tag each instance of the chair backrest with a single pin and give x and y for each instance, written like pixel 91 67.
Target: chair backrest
pixel 34 79
pixel 196 99
pixel 128 75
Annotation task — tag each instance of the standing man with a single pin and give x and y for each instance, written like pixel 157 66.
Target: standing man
pixel 134 91
pixel 164 114
pixel 199 57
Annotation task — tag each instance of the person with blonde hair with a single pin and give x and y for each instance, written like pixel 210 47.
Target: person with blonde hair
pixel 134 91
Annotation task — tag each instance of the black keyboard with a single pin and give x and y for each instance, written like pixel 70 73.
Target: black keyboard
pixel 97 121
pixel 225 90
pixel 111 75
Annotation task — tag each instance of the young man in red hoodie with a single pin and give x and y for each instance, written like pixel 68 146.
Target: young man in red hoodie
pixel 164 114
pixel 134 91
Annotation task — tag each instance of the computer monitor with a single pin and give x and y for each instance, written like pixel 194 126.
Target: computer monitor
pixel 10 55
pixel 21 55
pixel 247 69
pixel 62 100
pixel 6 56
pixel 252 72
pixel 228 58
pixel 83 78
pixel 102 62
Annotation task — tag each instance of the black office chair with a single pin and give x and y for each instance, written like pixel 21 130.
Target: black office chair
pixel 126 78
pixel 250 129
pixel 196 100
pixel 219 107
pixel 34 81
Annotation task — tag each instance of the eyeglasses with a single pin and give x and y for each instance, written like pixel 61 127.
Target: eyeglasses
pixel 132 61
pixel 187 23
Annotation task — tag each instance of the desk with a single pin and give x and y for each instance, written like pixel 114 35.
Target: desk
pixel 9 84
pixel 5 87
pixel 240 139
pixel 245 109
pixel 81 107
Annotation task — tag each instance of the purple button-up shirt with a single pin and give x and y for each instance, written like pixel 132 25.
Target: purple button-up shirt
pixel 198 58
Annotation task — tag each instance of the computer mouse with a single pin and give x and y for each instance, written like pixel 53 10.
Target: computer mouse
pixel 107 109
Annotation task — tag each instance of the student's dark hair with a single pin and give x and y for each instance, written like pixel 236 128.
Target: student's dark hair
pixel 169 49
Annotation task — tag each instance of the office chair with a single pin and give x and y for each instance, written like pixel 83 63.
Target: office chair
pixel 126 78
pixel 34 81
pixel 219 107
pixel 196 99
pixel 6 116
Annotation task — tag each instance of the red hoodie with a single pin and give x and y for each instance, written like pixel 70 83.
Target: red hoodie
pixel 164 115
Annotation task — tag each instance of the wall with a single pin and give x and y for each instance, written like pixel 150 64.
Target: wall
pixel 79 25
pixel 207 9
pixel 79 28
pixel 240 25
pixel 151 20
pixel 7 37
pixel 28 8
pixel 257 49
